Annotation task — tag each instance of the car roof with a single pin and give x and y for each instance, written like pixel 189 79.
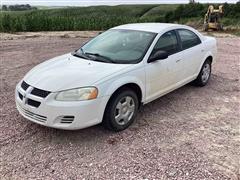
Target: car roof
pixel 150 27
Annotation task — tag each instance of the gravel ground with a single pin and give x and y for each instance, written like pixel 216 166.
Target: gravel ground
pixel 191 133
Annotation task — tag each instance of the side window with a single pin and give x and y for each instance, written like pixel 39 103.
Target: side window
pixel 188 38
pixel 167 42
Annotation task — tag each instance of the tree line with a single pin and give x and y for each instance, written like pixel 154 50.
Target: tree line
pixel 18 7
pixel 197 10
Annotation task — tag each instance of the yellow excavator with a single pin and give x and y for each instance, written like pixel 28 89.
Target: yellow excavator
pixel 212 18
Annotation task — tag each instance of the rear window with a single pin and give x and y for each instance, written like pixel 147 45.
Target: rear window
pixel 188 38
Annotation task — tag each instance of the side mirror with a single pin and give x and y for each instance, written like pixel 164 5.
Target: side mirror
pixel 158 55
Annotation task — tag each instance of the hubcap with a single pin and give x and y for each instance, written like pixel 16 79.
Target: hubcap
pixel 206 73
pixel 124 110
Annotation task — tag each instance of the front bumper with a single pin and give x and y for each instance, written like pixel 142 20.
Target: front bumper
pixel 61 114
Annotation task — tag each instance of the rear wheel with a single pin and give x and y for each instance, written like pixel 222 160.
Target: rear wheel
pixel 121 110
pixel 204 75
pixel 220 27
pixel 205 27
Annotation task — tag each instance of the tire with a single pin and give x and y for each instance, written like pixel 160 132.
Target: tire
pixel 205 27
pixel 121 110
pixel 204 75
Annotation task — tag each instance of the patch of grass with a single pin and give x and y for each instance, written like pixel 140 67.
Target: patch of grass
pixel 77 18
pixel 237 33
pixel 104 17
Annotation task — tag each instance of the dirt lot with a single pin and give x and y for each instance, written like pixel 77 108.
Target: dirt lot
pixel 191 133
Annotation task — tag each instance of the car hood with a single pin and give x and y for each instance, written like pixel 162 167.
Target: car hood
pixel 67 71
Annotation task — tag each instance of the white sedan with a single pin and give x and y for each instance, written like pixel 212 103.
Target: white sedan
pixel 109 77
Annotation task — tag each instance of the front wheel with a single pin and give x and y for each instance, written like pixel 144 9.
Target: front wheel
pixel 121 110
pixel 204 75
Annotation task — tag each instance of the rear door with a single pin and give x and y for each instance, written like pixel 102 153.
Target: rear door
pixel 193 52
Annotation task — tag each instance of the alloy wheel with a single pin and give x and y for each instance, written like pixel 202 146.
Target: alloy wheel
pixel 124 110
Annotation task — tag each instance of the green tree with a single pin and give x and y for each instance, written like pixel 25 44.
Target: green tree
pixel 4 8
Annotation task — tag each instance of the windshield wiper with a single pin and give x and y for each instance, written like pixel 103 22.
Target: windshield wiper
pixel 100 57
pixel 75 53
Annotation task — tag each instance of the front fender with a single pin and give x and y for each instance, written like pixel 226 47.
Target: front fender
pixel 107 88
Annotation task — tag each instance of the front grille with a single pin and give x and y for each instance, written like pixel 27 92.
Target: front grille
pixel 40 92
pixel 32 115
pixel 24 85
pixel 20 96
pixel 66 119
pixel 33 103
pixel 31 100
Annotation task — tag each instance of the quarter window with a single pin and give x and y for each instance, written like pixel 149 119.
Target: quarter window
pixel 188 38
pixel 167 42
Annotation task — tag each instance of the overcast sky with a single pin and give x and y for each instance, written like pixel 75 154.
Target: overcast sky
pixel 103 2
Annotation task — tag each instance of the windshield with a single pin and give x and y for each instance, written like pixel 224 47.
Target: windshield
pixel 118 46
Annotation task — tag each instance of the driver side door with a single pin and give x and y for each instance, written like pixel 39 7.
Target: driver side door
pixel 162 75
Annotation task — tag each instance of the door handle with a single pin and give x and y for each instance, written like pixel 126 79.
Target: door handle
pixel 178 60
pixel 202 50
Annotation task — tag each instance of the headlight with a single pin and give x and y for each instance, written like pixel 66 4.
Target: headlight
pixel 79 94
